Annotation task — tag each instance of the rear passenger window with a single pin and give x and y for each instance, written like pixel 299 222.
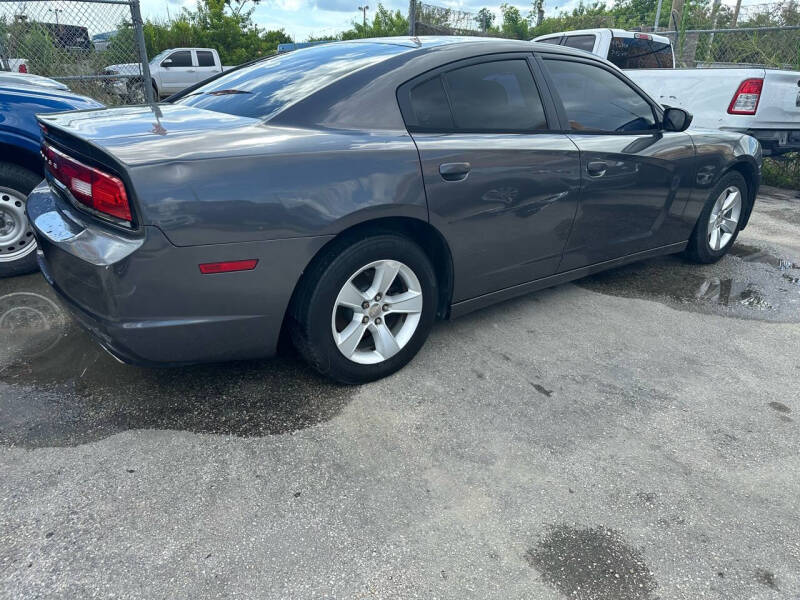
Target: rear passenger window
pixel 581 42
pixel 205 58
pixel 493 96
pixel 430 106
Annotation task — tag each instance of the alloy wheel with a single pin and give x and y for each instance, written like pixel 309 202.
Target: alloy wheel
pixel 377 312
pixel 16 236
pixel 724 218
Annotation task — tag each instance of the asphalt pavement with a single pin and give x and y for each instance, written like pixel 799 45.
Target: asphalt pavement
pixel 629 436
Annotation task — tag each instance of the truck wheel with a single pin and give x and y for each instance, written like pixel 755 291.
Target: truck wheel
pixel 718 224
pixel 17 244
pixel 365 308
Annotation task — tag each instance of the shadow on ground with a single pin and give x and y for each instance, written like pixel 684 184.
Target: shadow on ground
pixel 62 389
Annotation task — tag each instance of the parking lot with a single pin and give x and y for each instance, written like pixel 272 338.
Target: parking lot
pixel 629 436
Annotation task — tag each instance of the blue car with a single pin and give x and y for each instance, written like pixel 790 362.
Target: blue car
pixel 21 166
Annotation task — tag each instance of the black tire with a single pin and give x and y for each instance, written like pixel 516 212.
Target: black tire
pixel 699 249
pixel 312 307
pixel 22 181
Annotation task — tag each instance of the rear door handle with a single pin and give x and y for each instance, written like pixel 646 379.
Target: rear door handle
pixel 596 168
pixel 454 171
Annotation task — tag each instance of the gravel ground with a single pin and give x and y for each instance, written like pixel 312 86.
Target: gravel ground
pixel 630 436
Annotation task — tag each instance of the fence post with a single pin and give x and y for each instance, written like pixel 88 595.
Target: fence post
pixel 412 17
pixel 138 25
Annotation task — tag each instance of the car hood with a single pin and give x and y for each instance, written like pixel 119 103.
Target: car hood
pixel 143 134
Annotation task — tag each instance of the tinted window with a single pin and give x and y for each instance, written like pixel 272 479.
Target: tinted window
pixel 638 53
pixel 597 100
pixel 550 40
pixel 262 89
pixel 430 106
pixel 182 58
pixel 497 95
pixel 581 42
pixel 205 58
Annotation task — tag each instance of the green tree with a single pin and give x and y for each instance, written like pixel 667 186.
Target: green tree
pixel 484 19
pixel 514 25
pixel 385 23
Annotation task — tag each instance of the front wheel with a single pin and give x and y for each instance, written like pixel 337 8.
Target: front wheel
pixel 718 224
pixel 365 308
pixel 17 244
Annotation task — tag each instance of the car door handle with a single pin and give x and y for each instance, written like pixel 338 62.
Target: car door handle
pixel 454 171
pixel 596 168
pixel 192 70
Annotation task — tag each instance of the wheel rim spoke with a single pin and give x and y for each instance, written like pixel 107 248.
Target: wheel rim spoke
pixel 728 225
pixel 714 239
pixel 385 274
pixel 351 336
pixel 351 296
pixel 407 302
pixel 385 343
pixel 730 201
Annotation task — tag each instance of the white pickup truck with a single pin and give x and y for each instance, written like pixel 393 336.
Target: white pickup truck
pixel 762 102
pixel 171 71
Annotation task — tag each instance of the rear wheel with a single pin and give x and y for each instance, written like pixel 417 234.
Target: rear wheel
pixel 365 309
pixel 17 244
pixel 718 225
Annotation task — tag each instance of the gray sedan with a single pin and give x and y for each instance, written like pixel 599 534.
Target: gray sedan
pixel 350 194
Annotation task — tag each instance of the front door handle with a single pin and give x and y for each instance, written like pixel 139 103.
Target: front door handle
pixel 596 168
pixel 454 171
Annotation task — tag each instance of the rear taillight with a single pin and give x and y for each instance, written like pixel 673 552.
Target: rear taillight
pixel 91 187
pixel 23 68
pixel 745 100
pixel 642 36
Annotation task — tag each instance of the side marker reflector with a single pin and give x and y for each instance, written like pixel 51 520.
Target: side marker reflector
pixel 228 266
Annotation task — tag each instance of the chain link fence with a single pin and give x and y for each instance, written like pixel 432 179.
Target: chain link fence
pixel 773 47
pixel 95 47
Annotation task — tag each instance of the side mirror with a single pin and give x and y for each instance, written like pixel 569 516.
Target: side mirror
pixel 166 62
pixel 676 119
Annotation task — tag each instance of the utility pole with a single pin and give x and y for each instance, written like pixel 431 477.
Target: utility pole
pixel 736 12
pixel 364 10
pixel 658 15
pixel 412 18
pixel 677 13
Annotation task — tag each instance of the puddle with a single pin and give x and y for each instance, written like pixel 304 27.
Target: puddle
pixel 592 563
pixel 63 389
pixel 750 283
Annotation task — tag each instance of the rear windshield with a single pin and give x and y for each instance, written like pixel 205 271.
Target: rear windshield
pixel 638 53
pixel 265 88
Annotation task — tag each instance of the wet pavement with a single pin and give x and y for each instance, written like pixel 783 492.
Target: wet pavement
pixel 631 435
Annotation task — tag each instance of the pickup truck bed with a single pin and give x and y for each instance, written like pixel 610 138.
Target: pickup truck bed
pixel 707 94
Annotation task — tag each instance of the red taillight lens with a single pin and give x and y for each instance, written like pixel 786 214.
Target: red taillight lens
pixel 228 266
pixel 23 68
pixel 91 187
pixel 745 100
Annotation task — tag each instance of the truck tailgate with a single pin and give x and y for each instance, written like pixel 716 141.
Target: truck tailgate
pixel 779 107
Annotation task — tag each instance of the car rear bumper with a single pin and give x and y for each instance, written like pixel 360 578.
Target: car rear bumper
pixel 775 142
pixel 146 301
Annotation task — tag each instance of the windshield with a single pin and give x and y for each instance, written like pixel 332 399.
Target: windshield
pixel 159 57
pixel 265 88
pixel 640 53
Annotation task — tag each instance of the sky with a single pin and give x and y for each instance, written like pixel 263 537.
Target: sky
pixel 302 18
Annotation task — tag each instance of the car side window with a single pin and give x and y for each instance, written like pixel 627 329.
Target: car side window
pixel 181 58
pixel 581 42
pixel 205 58
pixel 596 100
pixel 491 96
pixel 430 106
pixel 550 40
